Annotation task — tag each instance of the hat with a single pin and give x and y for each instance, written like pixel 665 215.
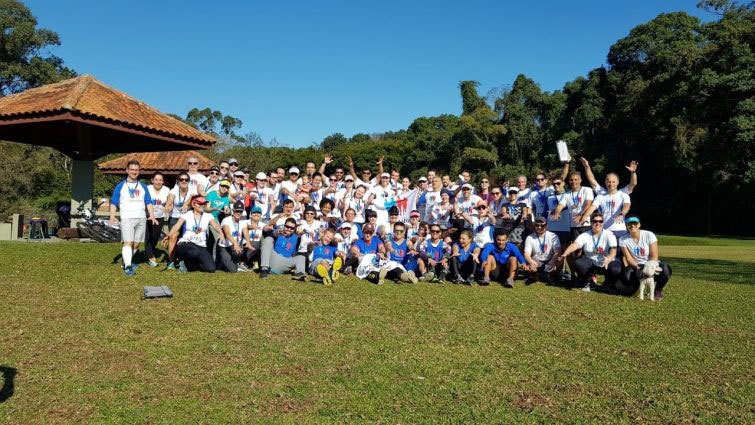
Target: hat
pixel 385 175
pixel 261 176
pixel 422 179
pixel 245 170
pixel 232 160
pixel 238 174
pixel 256 210
pixel 633 219
pixel 346 225
pixel 467 186
pixel 414 213
pixel 215 168
pixel 368 228
pixel 481 204
pixel 293 170
pixel 238 206
pixel 512 189
pixel 541 220
pixel 348 177
pixel 225 183
pixel 393 210
pixel 310 208
pixel 199 200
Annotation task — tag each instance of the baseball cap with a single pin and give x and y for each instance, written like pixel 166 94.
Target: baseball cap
pixel 541 220
pixel 414 213
pixel 310 208
pixel 238 174
pixel 225 183
pixel 481 204
pixel 233 160
pixel 422 179
pixel 261 176
pixel 199 200
pixel 215 168
pixel 512 189
pixel 349 177
pixel 346 225
pixel 385 175
pixel 256 209
pixel 633 219
pixel 467 186
pixel 238 206
pixel 293 170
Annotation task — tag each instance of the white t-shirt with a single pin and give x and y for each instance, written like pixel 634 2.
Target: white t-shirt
pixel 197 180
pixel 179 201
pixel 315 197
pixel 290 186
pixel 541 248
pixel 263 198
pixel 359 206
pixel 255 232
pixel 524 196
pixel 343 243
pixel 431 199
pixel 538 201
pixel 596 247
pixel 311 233
pixel 195 230
pixel 610 206
pixel 482 230
pixel 131 199
pixel 467 205
pixel 563 223
pixel 575 201
pixel 236 230
pixel 159 199
pixel 441 214
pixel 380 196
pixel 600 190
pixel 640 250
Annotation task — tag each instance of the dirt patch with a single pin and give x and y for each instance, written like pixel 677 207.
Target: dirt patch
pixel 526 400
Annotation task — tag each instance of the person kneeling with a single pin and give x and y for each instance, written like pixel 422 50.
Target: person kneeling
pixel 598 255
pixel 639 247
pixel 541 251
pixel 500 259
pixel 191 248
pixel 233 253
pixel 324 260
pixel 279 252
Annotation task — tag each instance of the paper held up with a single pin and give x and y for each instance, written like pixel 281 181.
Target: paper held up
pixel 563 151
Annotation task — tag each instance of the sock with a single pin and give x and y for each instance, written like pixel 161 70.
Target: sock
pixel 127 253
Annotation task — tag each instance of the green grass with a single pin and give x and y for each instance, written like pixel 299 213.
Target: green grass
pixel 233 348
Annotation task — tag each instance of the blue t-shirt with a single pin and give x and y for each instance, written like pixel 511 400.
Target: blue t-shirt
pixel 434 253
pixel 217 201
pixel 364 248
pixel 325 252
pixel 286 246
pixel 398 250
pixel 463 255
pixel 501 255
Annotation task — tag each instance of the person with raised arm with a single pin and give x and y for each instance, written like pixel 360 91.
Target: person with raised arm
pixel 628 189
pixel 613 204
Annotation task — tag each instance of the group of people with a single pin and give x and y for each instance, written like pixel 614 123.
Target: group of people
pixel 329 221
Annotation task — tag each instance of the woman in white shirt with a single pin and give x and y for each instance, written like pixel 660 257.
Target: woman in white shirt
pixel 188 238
pixel 159 195
pixel 638 247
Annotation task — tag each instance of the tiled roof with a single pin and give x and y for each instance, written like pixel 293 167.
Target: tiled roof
pixel 150 162
pixel 89 97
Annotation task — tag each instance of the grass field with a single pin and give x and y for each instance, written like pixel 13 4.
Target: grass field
pixel 79 345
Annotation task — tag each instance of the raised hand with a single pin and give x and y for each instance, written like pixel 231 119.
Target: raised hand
pixel 585 163
pixel 328 158
pixel 632 167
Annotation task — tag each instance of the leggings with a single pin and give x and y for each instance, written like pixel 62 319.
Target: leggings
pixel 152 237
pixel 227 259
pixel 195 257
pixel 585 267
pixel 463 270
pixel 631 280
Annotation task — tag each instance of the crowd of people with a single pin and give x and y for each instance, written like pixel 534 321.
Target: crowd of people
pixel 331 221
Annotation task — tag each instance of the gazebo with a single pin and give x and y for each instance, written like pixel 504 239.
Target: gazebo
pixel 167 163
pixel 86 119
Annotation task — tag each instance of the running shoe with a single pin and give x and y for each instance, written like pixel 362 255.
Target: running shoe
pixel 324 274
pixel 129 271
pixel 152 263
pixel 264 272
pixel 334 271
pixel 171 265
pixel 381 276
pixel 485 281
pixel 427 277
pixel 300 276
pixel 509 283
pixel 182 267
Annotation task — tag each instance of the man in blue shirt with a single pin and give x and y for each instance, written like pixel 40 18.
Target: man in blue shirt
pixel 279 252
pixel 500 258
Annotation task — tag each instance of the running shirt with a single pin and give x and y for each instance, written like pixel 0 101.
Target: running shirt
pixel 195 229
pixel 600 190
pixel 501 255
pixel 431 199
pixel 323 252
pixel 640 249
pixel 541 248
pixel 398 250
pixel 262 198
pixel 131 198
pixel 310 233
pixel 596 247
pixel 563 223
pixel 159 199
pixel 286 246
pixel 610 206
pixel 179 201
pixel 315 197
pixel 365 248
pixel 359 206
pixel 467 205
pixel 515 208
pixel 434 251
pixel 524 196
pixel 575 202
pixel 441 214
pixel 196 181
pixel 482 230
pixel 538 200
pixel 343 243
pixel 216 201
pixel 236 230
pixel 255 230
pixel 464 254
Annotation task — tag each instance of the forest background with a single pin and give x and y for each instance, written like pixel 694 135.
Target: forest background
pixel 676 94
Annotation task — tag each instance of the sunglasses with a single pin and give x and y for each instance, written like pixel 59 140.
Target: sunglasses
pixel 214 173
pixel 557 183
pixel 183 180
pixel 434 231
pixel 366 173
pixel 193 163
pixel 367 232
pixel 398 231
pixel 540 225
pixel 496 193
pixel 309 213
pixel 540 179
pixel 223 168
pixel 234 164
pixel 290 228
pixel 484 181
pixel 293 174
pixel 261 180
pixel 597 222
pixel 466 188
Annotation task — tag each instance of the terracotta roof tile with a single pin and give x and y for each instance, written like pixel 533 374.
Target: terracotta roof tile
pixel 166 162
pixel 90 97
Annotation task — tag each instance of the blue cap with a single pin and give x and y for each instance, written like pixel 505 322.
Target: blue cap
pixel 632 220
pixel 256 209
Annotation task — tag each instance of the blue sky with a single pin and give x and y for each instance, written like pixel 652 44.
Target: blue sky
pixel 301 70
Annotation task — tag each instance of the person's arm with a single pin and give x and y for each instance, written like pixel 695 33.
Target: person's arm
pixel 271 224
pixel 589 210
pixel 528 254
pixel 173 237
pixel 517 254
pixel 352 171
pixel 229 237
pixel 565 171
pixel 214 224
pixel 632 167
pixel 570 249
pixel 588 172
pixel 247 238
pixel 624 210
pixel 629 260
pixel 113 210
pixel 476 254
pixel 454 250
pixel 355 251
pixel 583 216
pixel 381 250
pixel 556 214
pixel 379 164
pixel 327 160
pixel 608 258
pixel 654 254
pixel 151 211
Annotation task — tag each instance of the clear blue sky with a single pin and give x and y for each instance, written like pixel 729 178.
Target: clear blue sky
pixel 301 70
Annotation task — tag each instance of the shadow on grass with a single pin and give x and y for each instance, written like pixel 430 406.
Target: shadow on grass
pixel 9 375
pixel 722 271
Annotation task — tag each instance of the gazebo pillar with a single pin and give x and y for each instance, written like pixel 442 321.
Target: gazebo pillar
pixel 82 184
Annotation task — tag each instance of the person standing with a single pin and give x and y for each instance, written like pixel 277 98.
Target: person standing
pixel 613 204
pixel 131 197
pixel 159 195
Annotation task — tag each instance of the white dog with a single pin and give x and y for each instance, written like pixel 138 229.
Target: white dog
pixel 647 279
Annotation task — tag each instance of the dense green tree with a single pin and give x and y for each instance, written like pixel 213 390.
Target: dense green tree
pixel 333 141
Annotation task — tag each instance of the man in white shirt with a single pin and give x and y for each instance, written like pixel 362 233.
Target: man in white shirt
pixel 578 199
pixel 599 247
pixel 541 250
pixel 132 198
pixel 197 180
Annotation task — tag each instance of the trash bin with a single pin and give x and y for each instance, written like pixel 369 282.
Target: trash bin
pixel 38 228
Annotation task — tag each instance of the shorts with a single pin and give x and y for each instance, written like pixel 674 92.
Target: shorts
pixel 133 229
pixel 313 265
pixel 576 231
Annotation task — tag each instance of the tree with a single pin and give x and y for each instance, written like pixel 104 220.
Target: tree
pixel 331 142
pixel 23 62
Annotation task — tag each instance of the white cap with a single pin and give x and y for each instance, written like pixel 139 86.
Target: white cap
pixel 239 174
pixel 513 189
pixel 293 170
pixel 422 179
pixel 261 176
pixel 467 186
pixel 385 175
pixel 346 225
pixel 348 177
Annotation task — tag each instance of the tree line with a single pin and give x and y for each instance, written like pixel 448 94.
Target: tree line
pixel 676 94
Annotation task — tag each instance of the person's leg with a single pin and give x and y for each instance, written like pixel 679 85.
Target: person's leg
pixel 266 252
pixel 300 263
pixel 128 233
pixel 280 264
pixel 630 282
pixel 225 260
pixel 612 273
pixel 204 260
pixel 487 268
pixel 455 268
pixel 583 266
pixel 662 279
pixel 150 239
pixel 512 265
pixel 140 230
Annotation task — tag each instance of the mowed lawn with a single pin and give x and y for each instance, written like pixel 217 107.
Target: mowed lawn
pixel 79 345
